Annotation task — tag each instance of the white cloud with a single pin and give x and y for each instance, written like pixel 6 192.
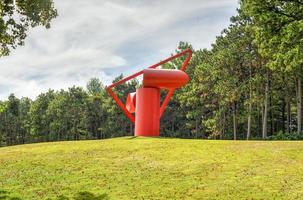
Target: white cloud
pixel 102 39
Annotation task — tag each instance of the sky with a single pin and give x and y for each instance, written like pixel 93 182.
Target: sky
pixel 104 38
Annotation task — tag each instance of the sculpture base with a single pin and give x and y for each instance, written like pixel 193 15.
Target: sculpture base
pixel 147 112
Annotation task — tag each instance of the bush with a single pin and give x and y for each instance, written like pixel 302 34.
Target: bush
pixel 286 136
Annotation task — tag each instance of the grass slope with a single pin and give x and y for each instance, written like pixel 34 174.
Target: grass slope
pixel 153 168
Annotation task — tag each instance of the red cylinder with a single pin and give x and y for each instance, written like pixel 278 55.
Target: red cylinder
pixel 147 112
pixel 164 78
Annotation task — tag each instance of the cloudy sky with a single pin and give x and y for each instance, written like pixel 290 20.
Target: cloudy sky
pixel 104 38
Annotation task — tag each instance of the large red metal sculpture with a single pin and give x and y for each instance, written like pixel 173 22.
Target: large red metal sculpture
pixel 145 102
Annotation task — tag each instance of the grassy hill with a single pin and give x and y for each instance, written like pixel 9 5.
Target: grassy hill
pixel 153 168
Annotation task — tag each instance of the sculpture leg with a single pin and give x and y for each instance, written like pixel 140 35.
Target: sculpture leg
pixel 147 112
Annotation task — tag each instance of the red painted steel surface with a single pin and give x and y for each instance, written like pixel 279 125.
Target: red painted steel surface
pixel 131 102
pixel 153 81
pixel 147 112
pixel 164 78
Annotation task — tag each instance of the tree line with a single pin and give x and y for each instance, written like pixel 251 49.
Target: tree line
pixel 74 114
pixel 248 85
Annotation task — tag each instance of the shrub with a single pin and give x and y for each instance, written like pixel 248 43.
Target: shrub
pixel 286 136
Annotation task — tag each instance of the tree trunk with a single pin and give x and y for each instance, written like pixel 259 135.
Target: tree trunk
pixel 264 125
pixel 299 105
pixel 249 108
pixel 196 126
pixel 260 118
pixel 270 109
pixel 223 126
pixel 283 115
pixel 288 118
pixel 249 122
pixel 173 126
pixel 235 120
pixel 288 111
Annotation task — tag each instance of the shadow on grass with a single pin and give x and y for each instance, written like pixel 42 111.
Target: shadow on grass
pixel 4 195
pixel 85 196
pixel 132 137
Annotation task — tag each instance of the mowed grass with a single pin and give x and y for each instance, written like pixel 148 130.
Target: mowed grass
pixel 153 168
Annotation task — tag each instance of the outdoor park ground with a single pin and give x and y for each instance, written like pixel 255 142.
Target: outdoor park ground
pixel 153 168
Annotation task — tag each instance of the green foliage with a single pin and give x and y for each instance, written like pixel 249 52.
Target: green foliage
pixel 94 86
pixel 65 115
pixel 278 28
pixel 286 136
pixel 40 121
pixel 16 17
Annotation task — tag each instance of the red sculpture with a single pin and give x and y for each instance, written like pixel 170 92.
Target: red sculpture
pixel 145 102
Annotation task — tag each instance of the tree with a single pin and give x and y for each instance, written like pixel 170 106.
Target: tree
pixel 96 112
pixel 76 110
pixel 174 117
pixel 24 119
pixel 96 116
pixel 39 118
pixel 95 86
pixel 3 127
pixel 278 28
pixel 17 16
pixel 12 120
pixel 57 115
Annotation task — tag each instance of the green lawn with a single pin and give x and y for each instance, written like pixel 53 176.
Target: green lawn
pixel 153 168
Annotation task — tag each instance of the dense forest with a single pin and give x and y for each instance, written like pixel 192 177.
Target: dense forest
pixel 246 86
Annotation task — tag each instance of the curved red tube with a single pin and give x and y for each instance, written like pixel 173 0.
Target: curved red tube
pixel 164 78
